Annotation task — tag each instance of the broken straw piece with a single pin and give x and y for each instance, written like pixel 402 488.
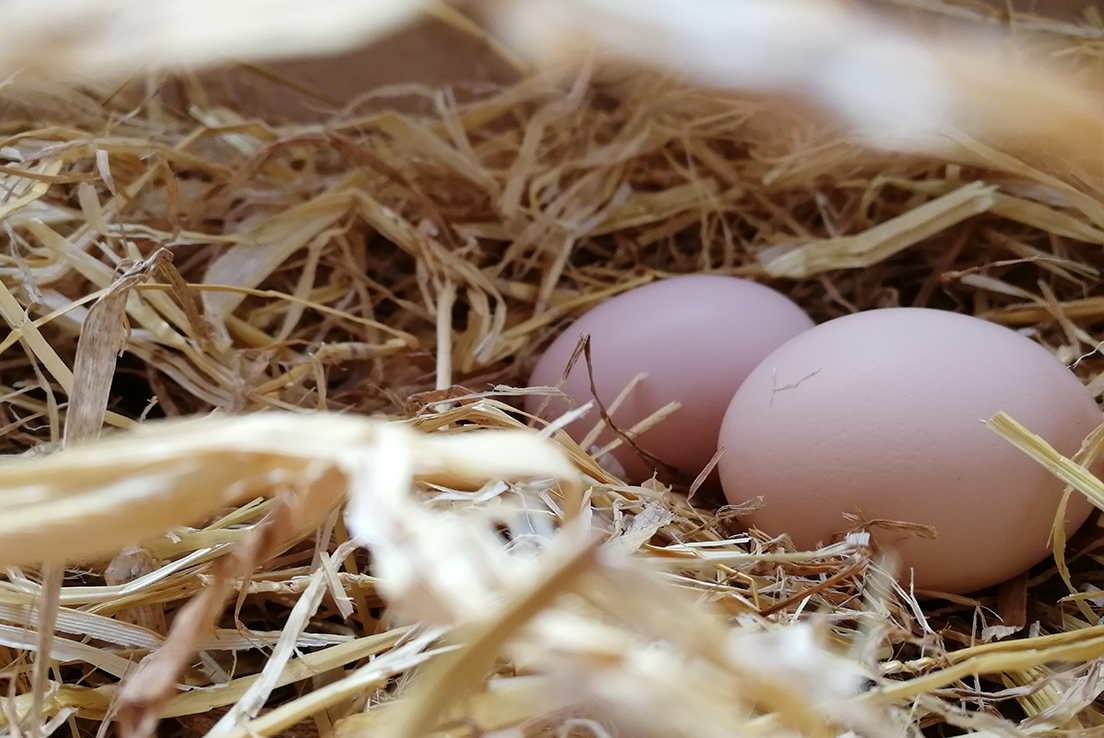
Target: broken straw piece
pixel 883 240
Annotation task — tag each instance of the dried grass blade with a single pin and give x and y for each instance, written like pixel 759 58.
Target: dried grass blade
pixel 248 264
pixel 979 153
pixel 1073 474
pixel 304 667
pixel 145 693
pixel 1089 307
pixel 88 702
pixel 446 301
pixel 17 320
pixel 103 276
pixel 884 240
pixel 34 193
pixel 411 137
pixel 13 608
pixel 47 610
pixel 992 663
pixel 1045 218
pixel 64 650
pixel 373 675
pixel 1091 634
pixel 189 301
pixel 103 338
pixel 255 697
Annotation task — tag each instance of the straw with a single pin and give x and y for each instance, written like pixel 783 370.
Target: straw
pixel 315 505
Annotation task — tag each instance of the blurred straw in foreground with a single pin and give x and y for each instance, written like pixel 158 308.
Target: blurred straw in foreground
pixel 898 89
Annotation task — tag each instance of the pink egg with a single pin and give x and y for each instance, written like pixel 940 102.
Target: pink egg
pixel 697 337
pixel 881 414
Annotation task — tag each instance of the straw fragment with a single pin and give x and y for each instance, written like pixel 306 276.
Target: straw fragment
pixel 321 256
pixel 1073 474
pixel 376 673
pixel 103 338
pixel 883 241
pixel 247 707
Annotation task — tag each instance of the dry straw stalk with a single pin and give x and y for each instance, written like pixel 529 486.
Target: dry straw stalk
pixel 360 534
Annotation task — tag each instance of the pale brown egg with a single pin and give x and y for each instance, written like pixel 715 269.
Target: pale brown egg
pixel 880 415
pixel 696 337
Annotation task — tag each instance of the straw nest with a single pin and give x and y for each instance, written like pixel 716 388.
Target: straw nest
pixel 364 535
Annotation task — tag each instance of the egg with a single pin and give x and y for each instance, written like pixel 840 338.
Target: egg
pixel 696 337
pixel 880 415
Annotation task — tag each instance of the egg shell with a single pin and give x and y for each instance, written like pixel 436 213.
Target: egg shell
pixel 881 413
pixel 696 336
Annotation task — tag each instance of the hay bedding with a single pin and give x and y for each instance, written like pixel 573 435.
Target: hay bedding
pixel 400 273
